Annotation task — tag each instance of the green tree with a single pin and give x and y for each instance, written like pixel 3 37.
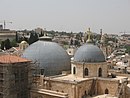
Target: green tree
pixel 127 48
pixel 16 37
pixel 77 43
pixel 33 38
pixel 71 41
pixel 7 44
pixel 2 45
pixel 13 43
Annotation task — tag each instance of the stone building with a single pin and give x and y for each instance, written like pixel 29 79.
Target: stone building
pixel 15 77
pixel 7 34
pixel 89 77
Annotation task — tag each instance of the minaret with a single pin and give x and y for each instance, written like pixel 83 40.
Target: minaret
pixel 102 39
pixel 101 32
pixel 89 40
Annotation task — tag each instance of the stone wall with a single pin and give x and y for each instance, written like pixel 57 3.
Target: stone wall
pixel 127 93
pixel 63 87
pixel 102 85
pixel 83 88
pixel 93 69
pixel 79 69
pixel 37 95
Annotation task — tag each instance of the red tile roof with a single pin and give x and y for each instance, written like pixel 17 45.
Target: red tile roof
pixel 6 59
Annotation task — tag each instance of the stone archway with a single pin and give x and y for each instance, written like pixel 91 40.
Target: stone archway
pixel 106 91
pixel 100 72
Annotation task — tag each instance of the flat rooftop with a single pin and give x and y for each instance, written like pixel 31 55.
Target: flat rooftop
pixel 74 79
pixel 71 78
pixel 103 96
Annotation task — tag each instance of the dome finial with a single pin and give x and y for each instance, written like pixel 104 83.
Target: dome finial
pixel 89 36
pixel 45 37
pixel 45 34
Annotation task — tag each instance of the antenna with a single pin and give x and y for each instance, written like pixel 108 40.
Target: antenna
pixel 5 22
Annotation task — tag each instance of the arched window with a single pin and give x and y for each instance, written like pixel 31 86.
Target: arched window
pixel 74 70
pixel 42 71
pixel 106 91
pixel 86 72
pixel 100 72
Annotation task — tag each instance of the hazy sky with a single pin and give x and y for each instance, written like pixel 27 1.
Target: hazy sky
pixel 112 16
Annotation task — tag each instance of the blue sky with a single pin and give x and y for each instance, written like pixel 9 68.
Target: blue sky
pixel 112 16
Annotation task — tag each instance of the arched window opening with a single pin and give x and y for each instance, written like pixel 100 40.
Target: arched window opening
pixel 85 95
pixel 106 91
pixel 86 71
pixel 100 72
pixel 74 70
pixel 42 71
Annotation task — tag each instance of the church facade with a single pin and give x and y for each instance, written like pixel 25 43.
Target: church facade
pixel 89 78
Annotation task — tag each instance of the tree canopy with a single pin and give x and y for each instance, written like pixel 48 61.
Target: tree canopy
pixel 33 37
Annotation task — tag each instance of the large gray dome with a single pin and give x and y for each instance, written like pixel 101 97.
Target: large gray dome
pixel 89 53
pixel 49 55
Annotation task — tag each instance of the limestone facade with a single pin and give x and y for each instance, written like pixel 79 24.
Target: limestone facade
pixel 89 69
pixel 80 84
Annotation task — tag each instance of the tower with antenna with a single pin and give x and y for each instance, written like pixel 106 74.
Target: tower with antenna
pixel 4 23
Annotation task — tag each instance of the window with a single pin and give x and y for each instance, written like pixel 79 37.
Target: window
pixel 74 70
pixel 42 71
pixel 86 71
pixel 100 72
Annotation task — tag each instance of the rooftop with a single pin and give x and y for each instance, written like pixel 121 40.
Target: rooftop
pixel 6 59
pixel 103 96
pixel 73 79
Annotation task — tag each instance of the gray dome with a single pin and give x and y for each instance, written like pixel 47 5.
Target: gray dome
pixel 49 55
pixel 89 53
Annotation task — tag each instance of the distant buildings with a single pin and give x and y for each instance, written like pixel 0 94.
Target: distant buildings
pixel 89 78
pixel 86 75
pixel 7 34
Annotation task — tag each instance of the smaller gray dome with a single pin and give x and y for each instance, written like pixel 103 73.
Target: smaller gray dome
pixel 89 53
